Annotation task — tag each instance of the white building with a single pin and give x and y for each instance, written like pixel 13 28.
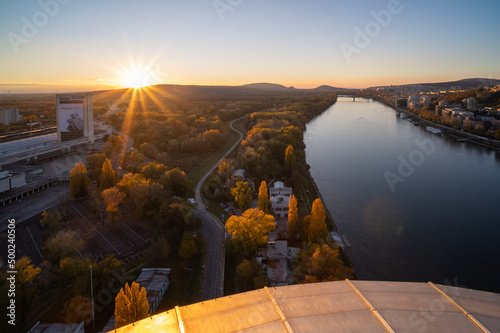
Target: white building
pixel 8 116
pixel 279 196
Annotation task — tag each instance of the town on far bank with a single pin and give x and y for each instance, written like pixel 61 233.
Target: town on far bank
pixel 469 106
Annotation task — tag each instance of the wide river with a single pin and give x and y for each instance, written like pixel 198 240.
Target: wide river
pixel 414 206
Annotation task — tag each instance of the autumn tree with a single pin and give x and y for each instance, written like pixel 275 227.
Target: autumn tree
pixel 188 246
pixel 26 274
pixel 154 170
pixel 163 247
pixel 242 194
pixel 251 228
pixel 75 271
pixel 78 309
pixel 317 227
pixel 51 219
pixel 113 145
pixel 62 244
pixel 290 161
pixel 147 198
pixel 104 269
pixel 108 176
pixel 226 169
pixel 176 182
pixel 78 181
pixel 250 275
pixel 293 216
pixel 112 199
pixel 128 180
pixel 94 165
pixel 131 305
pixel 26 271
pixel 263 197
pixel 320 263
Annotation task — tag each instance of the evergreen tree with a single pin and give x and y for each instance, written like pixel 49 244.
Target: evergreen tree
pixel 78 181
pixel 131 305
pixel 263 197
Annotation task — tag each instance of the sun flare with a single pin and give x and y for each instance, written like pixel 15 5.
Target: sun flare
pixel 136 78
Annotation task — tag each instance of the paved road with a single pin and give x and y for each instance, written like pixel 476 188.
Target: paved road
pixel 214 232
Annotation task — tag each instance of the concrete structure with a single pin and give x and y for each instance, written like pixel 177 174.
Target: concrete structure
pixel 9 181
pixel 340 306
pixel 75 117
pixel 8 116
pixel 155 281
pixel 58 328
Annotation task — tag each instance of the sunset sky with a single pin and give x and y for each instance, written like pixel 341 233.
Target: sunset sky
pixel 232 42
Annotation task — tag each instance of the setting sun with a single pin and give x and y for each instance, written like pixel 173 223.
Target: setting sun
pixel 135 78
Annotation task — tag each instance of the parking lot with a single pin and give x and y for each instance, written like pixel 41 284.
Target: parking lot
pixel 123 241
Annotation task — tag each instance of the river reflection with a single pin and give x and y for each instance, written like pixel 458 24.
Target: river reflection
pixel 439 221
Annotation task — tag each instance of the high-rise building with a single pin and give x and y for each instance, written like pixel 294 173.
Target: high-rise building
pixel 8 116
pixel 75 116
pixel 471 103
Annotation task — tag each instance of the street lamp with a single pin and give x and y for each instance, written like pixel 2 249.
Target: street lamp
pixel 92 298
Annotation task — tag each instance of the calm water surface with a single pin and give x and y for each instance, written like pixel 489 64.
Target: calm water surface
pixel 442 224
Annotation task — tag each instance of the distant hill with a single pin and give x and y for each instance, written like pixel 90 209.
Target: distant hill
pixel 267 87
pixel 466 83
pixel 326 88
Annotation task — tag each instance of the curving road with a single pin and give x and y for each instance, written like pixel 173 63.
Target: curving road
pixel 214 232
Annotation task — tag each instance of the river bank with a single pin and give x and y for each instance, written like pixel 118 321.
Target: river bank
pixel 313 192
pixel 446 130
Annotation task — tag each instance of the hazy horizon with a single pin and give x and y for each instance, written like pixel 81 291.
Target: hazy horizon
pixel 304 45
